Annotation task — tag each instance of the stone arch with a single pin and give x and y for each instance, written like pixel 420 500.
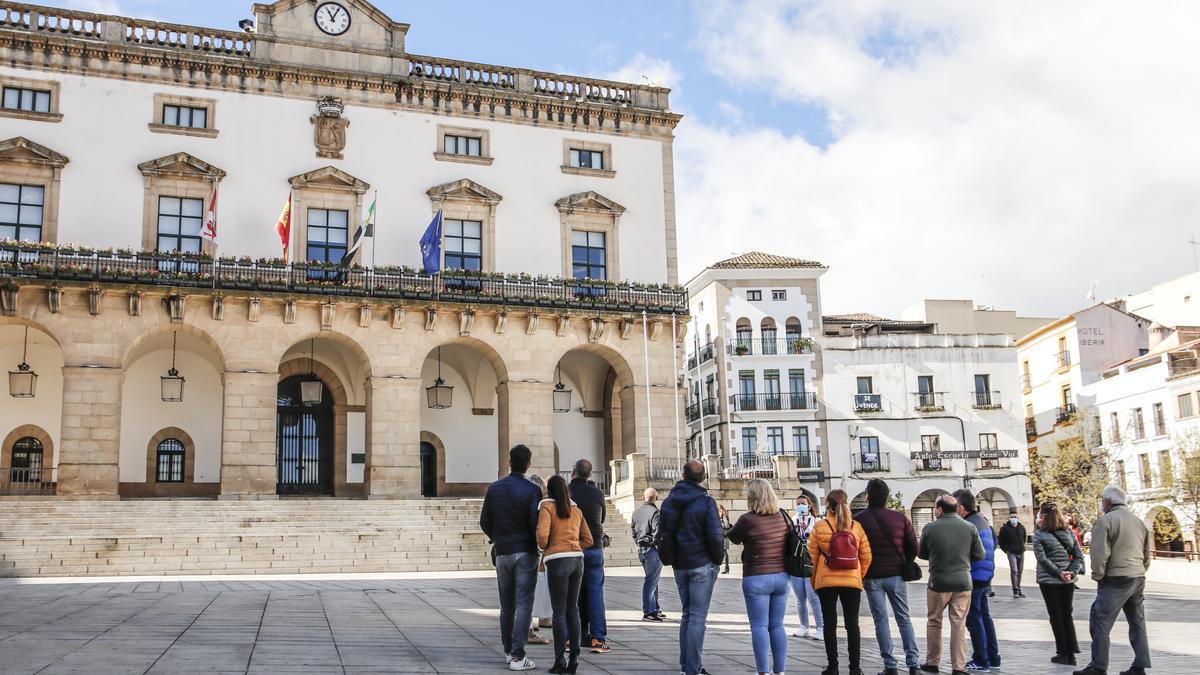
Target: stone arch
pixel 1166 531
pixel 361 359
pixel 479 410
pixel 859 503
pixel 28 431
pixel 617 412
pixel 135 347
pixel 1000 502
pixel 152 488
pixel 443 489
pixel 35 325
pixel 331 380
pixel 921 509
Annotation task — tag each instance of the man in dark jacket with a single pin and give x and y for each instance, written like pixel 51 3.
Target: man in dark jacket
pixel 893 543
pixel 691 534
pixel 645 535
pixel 985 654
pixel 590 500
pixel 950 544
pixel 509 519
pixel 1011 540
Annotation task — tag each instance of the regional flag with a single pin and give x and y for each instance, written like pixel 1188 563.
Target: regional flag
pixel 284 226
pixel 365 229
pixel 431 245
pixel 209 229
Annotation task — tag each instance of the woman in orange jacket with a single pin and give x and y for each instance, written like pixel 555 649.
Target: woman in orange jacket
pixel 841 555
pixel 562 535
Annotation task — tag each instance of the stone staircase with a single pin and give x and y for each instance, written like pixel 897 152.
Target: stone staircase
pixel 49 537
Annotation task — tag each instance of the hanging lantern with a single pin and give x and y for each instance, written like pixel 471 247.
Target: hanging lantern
pixel 310 389
pixel 172 382
pixel 440 395
pixel 22 382
pixel 562 395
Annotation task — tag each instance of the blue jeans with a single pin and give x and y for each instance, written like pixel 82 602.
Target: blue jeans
pixel 985 650
pixel 516 575
pixel 766 604
pixel 695 594
pixel 652 565
pixel 806 600
pixel 591 599
pixel 881 592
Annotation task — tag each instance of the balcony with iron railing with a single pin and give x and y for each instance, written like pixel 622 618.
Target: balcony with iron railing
pixel 985 400
pixel 1065 414
pixel 1026 382
pixel 871 463
pixel 1064 359
pixel 697 359
pixel 868 403
pixel 708 406
pixel 28 481
pixel 748 465
pixel 1031 427
pixel 790 345
pixel 28 263
pixel 770 402
pixel 988 463
pixel 930 465
pixel 929 401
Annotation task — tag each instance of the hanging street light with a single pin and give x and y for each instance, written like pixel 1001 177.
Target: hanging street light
pixel 310 389
pixel 22 382
pixel 172 382
pixel 440 395
pixel 562 395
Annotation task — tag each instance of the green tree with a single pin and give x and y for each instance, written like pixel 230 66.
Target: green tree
pixel 1073 479
pixel 1187 479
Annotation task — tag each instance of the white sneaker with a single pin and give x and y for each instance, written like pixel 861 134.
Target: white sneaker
pixel 802 633
pixel 818 635
pixel 523 664
pixel 507 659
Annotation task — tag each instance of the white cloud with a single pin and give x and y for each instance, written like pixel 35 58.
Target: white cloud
pixel 643 69
pixel 1006 152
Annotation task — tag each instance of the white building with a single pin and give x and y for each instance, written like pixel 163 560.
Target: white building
pixel 961 317
pixel 930 413
pixel 1171 303
pixel 1060 359
pixel 1147 410
pixel 120 133
pixel 754 375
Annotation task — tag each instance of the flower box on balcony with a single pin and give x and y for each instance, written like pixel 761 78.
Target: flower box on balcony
pixel 987 406
pixel 931 408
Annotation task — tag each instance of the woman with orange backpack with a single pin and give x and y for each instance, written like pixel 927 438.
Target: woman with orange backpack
pixel 841 554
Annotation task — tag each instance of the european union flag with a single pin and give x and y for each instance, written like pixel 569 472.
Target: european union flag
pixel 431 245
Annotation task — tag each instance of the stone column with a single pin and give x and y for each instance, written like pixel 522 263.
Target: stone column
pixel 89 452
pixel 394 437
pixel 659 420
pixel 527 416
pixel 248 437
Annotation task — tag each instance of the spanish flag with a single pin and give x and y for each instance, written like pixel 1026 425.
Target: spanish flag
pixel 284 227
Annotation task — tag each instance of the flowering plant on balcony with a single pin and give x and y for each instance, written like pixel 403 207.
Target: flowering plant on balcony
pixel 272 262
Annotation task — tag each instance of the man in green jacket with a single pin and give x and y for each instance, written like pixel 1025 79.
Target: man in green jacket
pixel 1120 558
pixel 950 544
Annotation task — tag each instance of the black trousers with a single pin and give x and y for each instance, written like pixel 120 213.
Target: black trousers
pixel 849 598
pixel 1060 599
pixel 564 576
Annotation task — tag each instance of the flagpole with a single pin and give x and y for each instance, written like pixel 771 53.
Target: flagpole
pixel 374 223
pixel 675 376
pixel 646 367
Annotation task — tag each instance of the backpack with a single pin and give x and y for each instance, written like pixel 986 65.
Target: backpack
pixel 797 561
pixel 843 551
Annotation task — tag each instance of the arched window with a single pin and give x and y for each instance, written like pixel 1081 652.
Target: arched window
pixel 770 343
pixel 169 461
pixel 744 336
pixel 26 461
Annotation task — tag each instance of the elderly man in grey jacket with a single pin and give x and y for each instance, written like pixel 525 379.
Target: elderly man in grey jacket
pixel 645 535
pixel 1120 558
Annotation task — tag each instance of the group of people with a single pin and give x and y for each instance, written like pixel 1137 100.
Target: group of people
pixel 826 562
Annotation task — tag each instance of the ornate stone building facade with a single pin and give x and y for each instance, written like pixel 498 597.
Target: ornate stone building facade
pixel 554 190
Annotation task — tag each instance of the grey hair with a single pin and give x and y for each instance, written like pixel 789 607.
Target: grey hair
pixel 1113 495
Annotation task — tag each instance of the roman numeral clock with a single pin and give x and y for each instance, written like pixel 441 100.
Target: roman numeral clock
pixel 332 18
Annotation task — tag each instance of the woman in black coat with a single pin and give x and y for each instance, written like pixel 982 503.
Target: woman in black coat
pixel 1059 566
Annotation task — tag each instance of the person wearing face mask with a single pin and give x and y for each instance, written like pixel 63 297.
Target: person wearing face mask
pixel 1011 540
pixel 806 598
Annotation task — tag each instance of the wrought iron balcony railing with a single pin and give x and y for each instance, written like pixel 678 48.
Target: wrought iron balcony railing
pixel 790 401
pixel 929 400
pixel 1031 427
pixel 708 406
pixel 25 261
pixel 791 344
pixel 705 355
pixel 985 399
pixel 871 463
pixel 1065 413
pixel 1064 359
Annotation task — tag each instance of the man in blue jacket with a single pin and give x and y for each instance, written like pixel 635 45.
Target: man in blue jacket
pixel 691 540
pixel 509 519
pixel 985 650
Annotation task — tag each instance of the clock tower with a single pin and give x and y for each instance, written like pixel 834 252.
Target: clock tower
pixel 348 35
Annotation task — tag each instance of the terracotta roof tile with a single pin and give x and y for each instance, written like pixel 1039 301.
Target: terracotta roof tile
pixel 757 259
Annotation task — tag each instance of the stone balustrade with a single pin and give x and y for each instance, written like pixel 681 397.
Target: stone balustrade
pixel 238 45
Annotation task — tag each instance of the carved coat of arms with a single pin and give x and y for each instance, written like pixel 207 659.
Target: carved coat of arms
pixel 329 133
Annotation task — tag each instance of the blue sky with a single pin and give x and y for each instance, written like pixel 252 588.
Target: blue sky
pixel 1010 153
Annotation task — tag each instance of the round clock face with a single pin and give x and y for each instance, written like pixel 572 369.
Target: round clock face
pixel 332 18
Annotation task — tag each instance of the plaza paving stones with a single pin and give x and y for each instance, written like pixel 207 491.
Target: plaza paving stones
pixel 447 624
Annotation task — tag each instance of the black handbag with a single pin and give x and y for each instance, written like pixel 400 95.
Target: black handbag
pixel 909 569
pixel 797 561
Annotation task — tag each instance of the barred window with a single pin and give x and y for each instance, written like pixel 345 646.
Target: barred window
pixel 169 461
